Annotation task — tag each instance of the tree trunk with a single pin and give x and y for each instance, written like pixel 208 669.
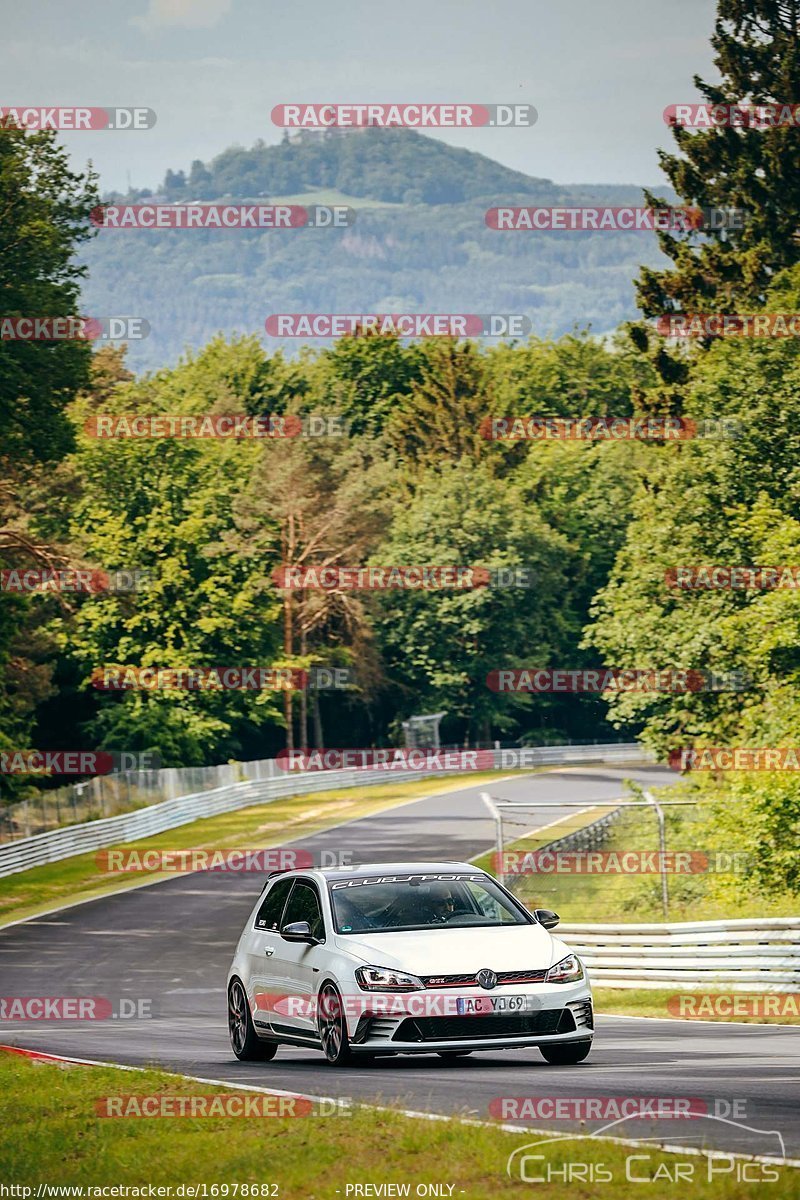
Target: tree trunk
pixel 317 719
pixel 288 710
pixel 303 697
pixel 289 546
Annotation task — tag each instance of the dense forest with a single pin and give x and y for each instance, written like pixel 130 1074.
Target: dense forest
pixel 598 523
pixel 412 482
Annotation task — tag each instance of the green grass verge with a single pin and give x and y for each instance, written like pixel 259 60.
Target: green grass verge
pixel 698 1003
pixel 50 1133
pixel 264 825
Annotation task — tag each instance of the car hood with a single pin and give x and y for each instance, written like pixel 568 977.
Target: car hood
pixel 455 951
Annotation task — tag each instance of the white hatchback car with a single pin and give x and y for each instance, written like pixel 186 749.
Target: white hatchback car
pixel 403 958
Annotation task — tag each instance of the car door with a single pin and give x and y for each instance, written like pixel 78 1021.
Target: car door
pixel 266 986
pixel 299 965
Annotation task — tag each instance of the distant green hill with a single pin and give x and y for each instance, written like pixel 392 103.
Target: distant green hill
pixel 396 165
pixel 419 243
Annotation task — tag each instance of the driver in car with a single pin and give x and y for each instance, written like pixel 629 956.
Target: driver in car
pixel 443 905
pixel 421 906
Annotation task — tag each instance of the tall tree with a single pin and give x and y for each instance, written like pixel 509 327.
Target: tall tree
pixel 729 501
pixel 45 208
pixel 748 167
pixel 441 416
pixel 165 505
pixel 440 644
pixel 312 503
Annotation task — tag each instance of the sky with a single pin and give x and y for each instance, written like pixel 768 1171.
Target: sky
pixel 599 73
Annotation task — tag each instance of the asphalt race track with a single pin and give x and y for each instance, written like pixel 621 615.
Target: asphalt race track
pixel 172 943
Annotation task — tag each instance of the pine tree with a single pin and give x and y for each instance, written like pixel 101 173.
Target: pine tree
pixel 752 168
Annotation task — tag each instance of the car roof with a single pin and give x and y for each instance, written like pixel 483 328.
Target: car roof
pixel 388 868
pixel 402 868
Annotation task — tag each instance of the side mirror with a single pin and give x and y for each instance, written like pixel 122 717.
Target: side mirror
pixel 546 917
pixel 299 931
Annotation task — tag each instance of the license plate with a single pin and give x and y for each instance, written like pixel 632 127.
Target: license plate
pixel 468 1006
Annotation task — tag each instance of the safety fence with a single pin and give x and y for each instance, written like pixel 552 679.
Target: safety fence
pixel 261 783
pixel 741 955
pixel 120 792
pixel 124 791
pixel 588 837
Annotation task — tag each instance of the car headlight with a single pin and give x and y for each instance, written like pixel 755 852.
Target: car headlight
pixel 566 971
pixel 383 979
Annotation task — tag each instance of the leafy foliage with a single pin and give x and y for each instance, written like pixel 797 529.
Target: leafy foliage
pixel 45 207
pixel 747 167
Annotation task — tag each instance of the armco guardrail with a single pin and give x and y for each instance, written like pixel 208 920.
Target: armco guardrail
pixel 588 837
pixel 548 756
pixel 145 822
pixel 156 818
pixel 736 955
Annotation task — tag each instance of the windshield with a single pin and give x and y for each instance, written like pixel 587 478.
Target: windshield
pixel 391 903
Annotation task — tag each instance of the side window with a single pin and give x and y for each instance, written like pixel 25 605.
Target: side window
pixel 489 906
pixel 269 915
pixel 304 906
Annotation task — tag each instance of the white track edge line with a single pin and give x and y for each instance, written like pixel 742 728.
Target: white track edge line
pixel 700 1020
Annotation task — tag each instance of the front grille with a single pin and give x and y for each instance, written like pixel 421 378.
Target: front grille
pixel 503 977
pixel 449 980
pixel 521 976
pixel 442 1029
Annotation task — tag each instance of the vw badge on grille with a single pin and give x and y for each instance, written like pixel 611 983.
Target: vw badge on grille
pixel 487 979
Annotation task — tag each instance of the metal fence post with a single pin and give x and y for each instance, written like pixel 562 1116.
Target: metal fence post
pixel 662 846
pixel 498 822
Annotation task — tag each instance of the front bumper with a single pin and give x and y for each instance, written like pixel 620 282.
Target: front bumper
pixel 562 1014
